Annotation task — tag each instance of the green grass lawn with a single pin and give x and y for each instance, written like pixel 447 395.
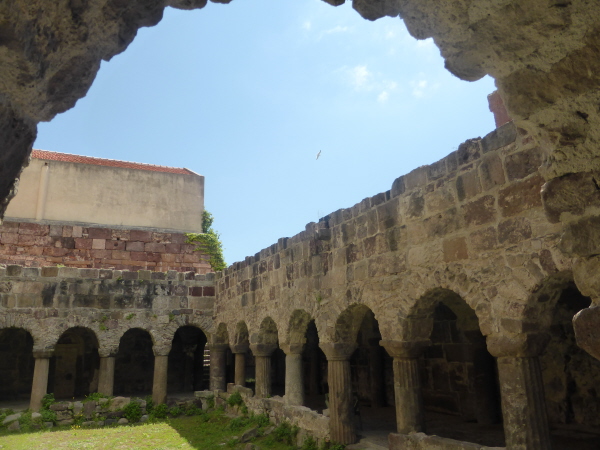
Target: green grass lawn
pixel 206 432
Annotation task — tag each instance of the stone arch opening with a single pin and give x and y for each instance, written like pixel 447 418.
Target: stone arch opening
pixel 74 367
pixel 16 364
pixel 311 389
pixel 186 364
pixel 134 364
pixel 570 376
pixel 459 377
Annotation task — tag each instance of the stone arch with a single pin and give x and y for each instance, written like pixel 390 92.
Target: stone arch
pixel 267 332
pixel 74 367
pixel 541 305
pixel 349 322
pixel 221 336
pixel 16 363
pixel 134 363
pixel 44 336
pixel 186 370
pixel 241 335
pixel 297 326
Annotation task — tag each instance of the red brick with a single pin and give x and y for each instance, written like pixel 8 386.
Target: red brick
pixel 67 231
pixel 208 291
pixel 102 254
pixel 191 258
pixel 154 257
pixel 53 251
pixel 9 227
pixel 115 245
pixel 187 248
pixel 120 255
pixel 9 238
pixel 56 230
pixel 139 256
pixel 34 229
pixel 154 247
pixel 173 248
pixel 139 235
pixel 83 243
pixel 196 291
pixel 177 238
pixel 167 257
pixel 135 246
pixel 498 109
pixel 99 233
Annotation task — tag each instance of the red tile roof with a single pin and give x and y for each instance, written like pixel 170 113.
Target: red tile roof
pixel 66 157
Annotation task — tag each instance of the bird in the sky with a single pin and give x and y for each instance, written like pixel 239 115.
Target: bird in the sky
pixel 318 154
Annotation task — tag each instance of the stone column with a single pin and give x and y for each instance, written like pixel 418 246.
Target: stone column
pixel 240 350
pixel 294 382
pixel 159 384
pixel 523 400
pixel 106 377
pixel 39 386
pixel 262 357
pixel 218 366
pixel 407 384
pixel 341 414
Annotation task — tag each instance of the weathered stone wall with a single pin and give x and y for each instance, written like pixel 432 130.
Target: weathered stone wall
pixel 471 223
pixel 42 244
pixel 50 300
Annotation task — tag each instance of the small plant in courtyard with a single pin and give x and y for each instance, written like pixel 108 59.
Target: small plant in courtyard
pixel 285 433
pixel 309 444
pixel 132 411
pixel 235 399
pixel 47 401
pixel 149 404
pixel 210 401
pixel 130 316
pixel 160 411
pixel 208 242
pixel 94 397
pixel 175 411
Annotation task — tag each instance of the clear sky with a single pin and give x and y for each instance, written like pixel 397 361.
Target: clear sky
pixel 248 93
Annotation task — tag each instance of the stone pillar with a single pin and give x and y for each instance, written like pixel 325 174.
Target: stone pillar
pixel 218 367
pixel 106 377
pixel 294 382
pixel 262 358
pixel 522 389
pixel 341 414
pixel 240 350
pixel 159 385
pixel 407 384
pixel 39 386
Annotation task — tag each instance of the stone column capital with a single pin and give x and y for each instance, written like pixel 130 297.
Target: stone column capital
pixel 239 348
pixel 161 350
pixel 522 345
pixel 262 349
pixel 586 324
pixel 292 349
pixel 46 354
pixel 405 349
pixel 218 348
pixel 107 352
pixel 337 351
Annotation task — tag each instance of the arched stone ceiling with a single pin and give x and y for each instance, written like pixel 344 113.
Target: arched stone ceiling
pixel 544 55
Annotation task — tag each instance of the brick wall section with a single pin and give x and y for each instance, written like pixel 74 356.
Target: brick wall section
pixel 36 245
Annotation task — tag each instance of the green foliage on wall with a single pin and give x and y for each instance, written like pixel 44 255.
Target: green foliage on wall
pixel 208 242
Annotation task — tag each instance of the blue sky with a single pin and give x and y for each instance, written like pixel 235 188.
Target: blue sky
pixel 248 93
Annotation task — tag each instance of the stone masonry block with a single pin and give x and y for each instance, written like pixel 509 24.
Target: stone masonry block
pixel 513 231
pixel 139 235
pixel 521 196
pixel 416 178
pixel 9 238
pixel 13 270
pixel 115 245
pixel 468 151
pixel 83 243
pixel 480 211
pixel 100 233
pixel 135 246
pixel 455 249
pixel 9 227
pixel 491 172
pixel 467 185
pixel 500 137
pixel 56 230
pixel 519 165
pixel 49 271
pixel 99 244
pixel 34 229
pixel 486 239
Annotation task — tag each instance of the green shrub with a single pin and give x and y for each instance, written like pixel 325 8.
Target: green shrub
pixel 149 404
pixel 48 415
pixel 133 411
pixel 175 411
pixel 285 433
pixel 210 401
pixel 261 420
pixel 309 444
pixel 160 411
pixel 235 399
pixel 193 410
pixel 94 397
pixel 47 400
